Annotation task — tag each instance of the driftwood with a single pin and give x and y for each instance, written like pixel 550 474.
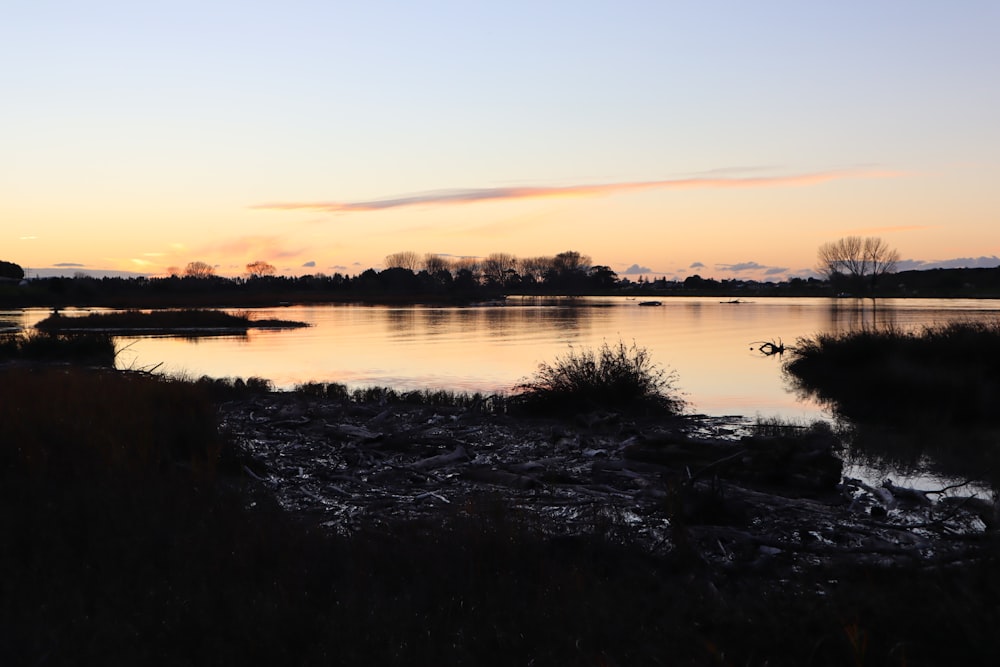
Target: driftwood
pixel 769 347
pixel 731 502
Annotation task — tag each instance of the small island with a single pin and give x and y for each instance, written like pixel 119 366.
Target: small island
pixel 186 321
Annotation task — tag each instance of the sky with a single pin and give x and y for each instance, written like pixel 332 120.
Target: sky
pixel 666 138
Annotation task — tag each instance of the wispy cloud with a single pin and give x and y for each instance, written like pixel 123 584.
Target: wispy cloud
pixel 467 196
pixel 69 265
pixel 752 267
pixel 985 262
pixel 740 267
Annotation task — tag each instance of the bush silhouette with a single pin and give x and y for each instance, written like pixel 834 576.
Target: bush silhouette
pixel 615 377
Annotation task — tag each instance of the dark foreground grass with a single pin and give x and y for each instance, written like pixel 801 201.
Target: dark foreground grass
pixel 129 537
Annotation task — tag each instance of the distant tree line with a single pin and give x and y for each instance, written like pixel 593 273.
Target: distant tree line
pixel 568 272
pixel 851 266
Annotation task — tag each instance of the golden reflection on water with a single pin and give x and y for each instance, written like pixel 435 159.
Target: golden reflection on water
pixel 710 344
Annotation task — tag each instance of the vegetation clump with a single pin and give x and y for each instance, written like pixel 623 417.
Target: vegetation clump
pixel 91 349
pixel 615 377
pixel 915 399
pixel 947 373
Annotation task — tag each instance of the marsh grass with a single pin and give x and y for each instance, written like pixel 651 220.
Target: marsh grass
pixel 617 377
pixel 926 399
pixel 476 402
pixel 776 427
pixel 945 374
pixel 93 349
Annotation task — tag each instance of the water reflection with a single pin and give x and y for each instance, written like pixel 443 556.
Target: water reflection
pixel 501 323
pixel 491 349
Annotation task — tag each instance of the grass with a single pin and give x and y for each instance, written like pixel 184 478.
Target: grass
pixel 131 537
pixel 615 377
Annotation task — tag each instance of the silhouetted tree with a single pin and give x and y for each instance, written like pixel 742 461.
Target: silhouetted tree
pixel 465 282
pixel 443 279
pixel 499 269
pixel 199 270
pixel 434 264
pixel 570 262
pixel 568 271
pixel 602 277
pixel 398 279
pixel 533 269
pixel 696 282
pixel 11 270
pixel 406 259
pixel 857 262
pixel 259 269
pixel 472 265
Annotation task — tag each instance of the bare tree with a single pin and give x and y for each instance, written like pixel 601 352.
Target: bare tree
pixel 407 259
pixel 471 264
pixel 259 269
pixel 571 262
pixel 498 268
pixel 534 268
pixel 199 270
pixel 434 263
pixel 857 261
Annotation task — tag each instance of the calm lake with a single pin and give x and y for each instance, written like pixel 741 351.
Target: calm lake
pixel 711 344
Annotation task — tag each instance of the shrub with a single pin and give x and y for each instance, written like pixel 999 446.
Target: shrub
pixel 616 377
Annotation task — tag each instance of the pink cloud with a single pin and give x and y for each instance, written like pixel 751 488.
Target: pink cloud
pixel 466 196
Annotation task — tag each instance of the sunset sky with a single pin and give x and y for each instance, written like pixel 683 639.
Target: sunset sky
pixel 727 139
